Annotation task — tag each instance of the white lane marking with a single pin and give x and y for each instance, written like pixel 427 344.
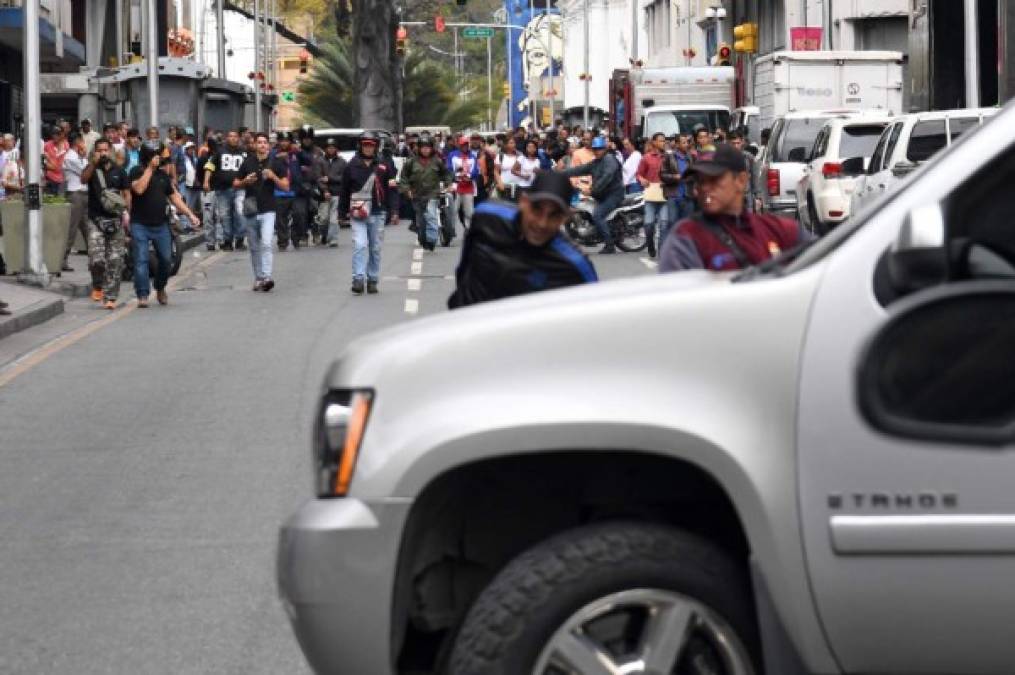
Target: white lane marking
pixel 411 305
pixel 649 263
pixel 417 254
pixel 417 268
pixel 450 277
pixel 415 284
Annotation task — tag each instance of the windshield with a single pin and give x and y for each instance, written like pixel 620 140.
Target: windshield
pixel 859 141
pixel 795 134
pixel 345 142
pixel 672 122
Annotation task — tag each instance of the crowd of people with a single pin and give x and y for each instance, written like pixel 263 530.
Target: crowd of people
pixel 259 191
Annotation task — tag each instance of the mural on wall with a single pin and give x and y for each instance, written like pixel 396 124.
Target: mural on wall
pixel 537 51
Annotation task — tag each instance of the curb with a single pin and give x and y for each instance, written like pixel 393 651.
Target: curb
pixel 33 315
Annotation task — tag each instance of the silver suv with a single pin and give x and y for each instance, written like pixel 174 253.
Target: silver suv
pixel 806 468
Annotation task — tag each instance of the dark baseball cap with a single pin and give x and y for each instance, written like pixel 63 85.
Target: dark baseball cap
pixel 725 158
pixel 551 186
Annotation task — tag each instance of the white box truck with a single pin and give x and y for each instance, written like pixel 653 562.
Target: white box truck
pixel 786 82
pixel 648 100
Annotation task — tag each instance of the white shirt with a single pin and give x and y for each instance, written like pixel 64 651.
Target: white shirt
pixel 507 163
pixel 73 165
pixel 631 167
pixel 527 167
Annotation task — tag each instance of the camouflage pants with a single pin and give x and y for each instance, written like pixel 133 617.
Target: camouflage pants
pixel 105 257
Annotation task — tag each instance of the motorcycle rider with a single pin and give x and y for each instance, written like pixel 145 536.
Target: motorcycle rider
pixel 511 250
pixel 421 180
pixel 331 180
pixel 607 188
pixel 369 209
pixel 724 235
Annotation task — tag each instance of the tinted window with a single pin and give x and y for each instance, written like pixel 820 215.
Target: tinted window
pixel 893 140
pixel 960 125
pixel 927 138
pixel 946 363
pixel 797 134
pixel 821 143
pixel 859 141
pixel 879 153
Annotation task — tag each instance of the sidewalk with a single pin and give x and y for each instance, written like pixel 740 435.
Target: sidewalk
pixel 31 306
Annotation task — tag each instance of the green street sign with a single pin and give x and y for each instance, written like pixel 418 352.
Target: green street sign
pixel 478 33
pixel 288 96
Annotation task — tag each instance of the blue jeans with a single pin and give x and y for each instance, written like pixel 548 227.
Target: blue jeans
pixel 367 233
pixel 231 219
pixel 602 209
pixel 160 236
pixel 188 198
pixel 260 234
pixel 679 209
pixel 431 217
pixel 655 211
pixel 634 188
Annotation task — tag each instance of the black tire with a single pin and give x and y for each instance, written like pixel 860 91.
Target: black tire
pixel 511 621
pixel 445 236
pixel 630 234
pixel 817 226
pixel 177 256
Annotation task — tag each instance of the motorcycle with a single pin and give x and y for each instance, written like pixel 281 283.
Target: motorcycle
pixel 626 222
pixel 446 217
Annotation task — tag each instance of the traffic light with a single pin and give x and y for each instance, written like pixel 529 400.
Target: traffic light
pixel 723 55
pixel 401 39
pixel 746 38
pixel 438 23
pixel 304 61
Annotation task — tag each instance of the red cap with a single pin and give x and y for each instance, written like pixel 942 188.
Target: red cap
pixel 463 141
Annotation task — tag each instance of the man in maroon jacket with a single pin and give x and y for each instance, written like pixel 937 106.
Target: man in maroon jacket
pixel 722 235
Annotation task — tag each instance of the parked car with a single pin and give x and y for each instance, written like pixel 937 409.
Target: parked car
pixel 785 157
pixel 802 468
pixel 909 141
pixel 825 190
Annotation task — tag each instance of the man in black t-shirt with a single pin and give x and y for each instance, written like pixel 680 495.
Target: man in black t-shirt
pixel 222 169
pixel 152 190
pixel 260 175
pixel 106 236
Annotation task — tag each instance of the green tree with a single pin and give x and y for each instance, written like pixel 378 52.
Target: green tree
pixel 431 93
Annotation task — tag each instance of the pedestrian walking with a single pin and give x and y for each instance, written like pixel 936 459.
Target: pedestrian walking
pixel 680 201
pixel 368 199
pixel 512 250
pixel 632 159
pixel 724 236
pixel 310 160
pixel 331 180
pixel 422 179
pixel 464 164
pixel 221 172
pixel 74 163
pixel 152 190
pixel 508 170
pixel 108 197
pixel 285 218
pixel 260 176
pixel 53 153
pixel 648 176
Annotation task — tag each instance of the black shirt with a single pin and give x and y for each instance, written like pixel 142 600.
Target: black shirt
pixel 264 189
pixel 116 179
pixel 226 166
pixel 149 208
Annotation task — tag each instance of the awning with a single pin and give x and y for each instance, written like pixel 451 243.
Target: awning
pixel 12 22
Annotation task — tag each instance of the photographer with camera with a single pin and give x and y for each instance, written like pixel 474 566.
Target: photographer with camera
pixel 152 190
pixel 108 204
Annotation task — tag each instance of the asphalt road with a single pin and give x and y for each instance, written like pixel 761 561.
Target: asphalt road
pixel 149 457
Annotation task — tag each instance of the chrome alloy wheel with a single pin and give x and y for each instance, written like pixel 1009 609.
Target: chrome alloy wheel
pixel 650 631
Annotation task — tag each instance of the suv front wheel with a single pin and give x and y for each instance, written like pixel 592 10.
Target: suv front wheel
pixel 618 597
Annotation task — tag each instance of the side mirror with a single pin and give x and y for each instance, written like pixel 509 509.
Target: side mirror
pixel 798 155
pixel 919 256
pixel 854 166
pixel 903 168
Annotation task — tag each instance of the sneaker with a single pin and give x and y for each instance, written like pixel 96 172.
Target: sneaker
pixel 258 286
pixel 371 287
pixel 357 286
pixel 268 284
pixel 66 268
pixel 333 243
pixel 296 245
pixel 142 303
pixel 413 228
pixel 97 295
pixel 110 303
pixel 240 245
pixel 227 246
pixel 210 247
pixel 162 297
pixel 651 248
pixel 607 250
pixel 282 247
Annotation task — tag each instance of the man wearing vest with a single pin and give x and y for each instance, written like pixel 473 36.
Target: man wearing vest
pixel 722 235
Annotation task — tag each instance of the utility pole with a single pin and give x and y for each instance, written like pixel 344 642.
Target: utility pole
pixel 585 111
pixel 35 267
pixel 549 47
pixel 456 60
pixel 257 64
pixel 634 30
pixel 489 82
pixel 220 42
pixel 532 97
pixel 510 79
pixel 972 57
pixel 152 28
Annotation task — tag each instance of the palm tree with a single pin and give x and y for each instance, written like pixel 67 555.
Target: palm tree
pixel 431 93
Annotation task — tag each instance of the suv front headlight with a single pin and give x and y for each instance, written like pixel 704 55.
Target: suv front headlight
pixel 341 422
